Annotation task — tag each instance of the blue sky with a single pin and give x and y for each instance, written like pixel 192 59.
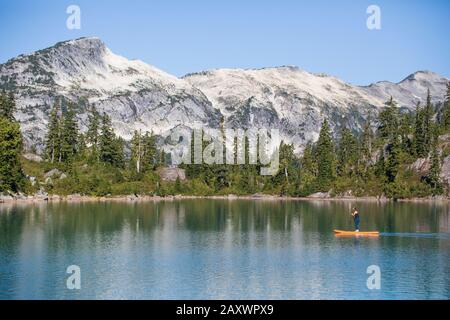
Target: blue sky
pixel 187 36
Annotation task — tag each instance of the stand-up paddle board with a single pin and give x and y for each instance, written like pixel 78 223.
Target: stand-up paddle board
pixel 355 233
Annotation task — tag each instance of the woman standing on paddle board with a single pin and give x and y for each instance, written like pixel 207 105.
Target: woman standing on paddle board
pixel 355 215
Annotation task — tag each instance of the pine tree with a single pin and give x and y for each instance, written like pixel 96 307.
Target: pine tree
pixel 308 171
pixel 107 141
pixel 446 111
pixel 137 151
pixel 93 133
pixel 434 172
pixel 149 157
pixel 118 158
pixel 419 133
pixel 380 166
pixel 388 120
pixel 163 158
pixel 285 175
pixel 347 152
pixel 69 135
pixel 325 158
pixel 11 174
pixel 393 160
pixel 427 125
pixel 221 171
pixel 82 151
pixel 7 105
pixel 52 140
pixel 367 141
pixel 404 132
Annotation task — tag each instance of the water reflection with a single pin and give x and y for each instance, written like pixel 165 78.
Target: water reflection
pixel 243 249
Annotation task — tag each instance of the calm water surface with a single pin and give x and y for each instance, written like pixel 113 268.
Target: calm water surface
pixel 219 249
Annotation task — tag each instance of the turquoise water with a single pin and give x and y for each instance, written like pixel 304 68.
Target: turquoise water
pixel 219 249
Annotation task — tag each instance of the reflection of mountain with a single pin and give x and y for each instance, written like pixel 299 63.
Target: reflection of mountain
pixel 198 249
pixel 139 96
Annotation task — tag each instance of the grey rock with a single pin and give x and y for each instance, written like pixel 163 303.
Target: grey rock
pixel 52 173
pixel 320 195
pixel 445 171
pixel 171 174
pixel 421 166
pixel 5 197
pixel 33 157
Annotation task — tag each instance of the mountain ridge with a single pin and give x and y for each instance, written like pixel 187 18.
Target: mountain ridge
pixel 139 96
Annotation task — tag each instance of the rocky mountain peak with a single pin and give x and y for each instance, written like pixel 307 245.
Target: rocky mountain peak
pixel 139 96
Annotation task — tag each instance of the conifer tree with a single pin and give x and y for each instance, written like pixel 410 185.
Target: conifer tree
pixel 434 172
pixel 308 171
pixel 367 143
pixel 347 152
pixel 107 141
pixel 393 160
pixel 380 166
pixel 7 105
pixel 427 125
pixel 325 158
pixel 446 111
pixel 53 138
pixel 11 174
pixel 285 175
pixel 149 157
pixel 419 133
pixel 405 131
pixel 93 133
pixel 137 151
pixel 118 158
pixel 82 152
pixel 69 135
pixel 388 120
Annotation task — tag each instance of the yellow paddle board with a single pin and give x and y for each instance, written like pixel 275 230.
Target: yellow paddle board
pixel 354 233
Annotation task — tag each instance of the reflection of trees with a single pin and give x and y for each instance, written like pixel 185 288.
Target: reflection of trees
pixel 64 222
pixel 12 221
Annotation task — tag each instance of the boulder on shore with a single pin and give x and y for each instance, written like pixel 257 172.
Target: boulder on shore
pixel 52 173
pixel 320 195
pixel 171 174
pixel 33 157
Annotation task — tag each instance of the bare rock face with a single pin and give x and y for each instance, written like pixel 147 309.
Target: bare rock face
pixel 84 71
pixel 296 102
pixel 171 174
pixel 421 166
pixel 445 171
pixel 138 96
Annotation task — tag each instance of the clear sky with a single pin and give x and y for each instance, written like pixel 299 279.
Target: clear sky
pixel 182 36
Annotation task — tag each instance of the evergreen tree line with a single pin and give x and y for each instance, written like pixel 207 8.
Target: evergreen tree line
pixel 12 177
pixel 98 161
pixel 65 143
pixel 376 161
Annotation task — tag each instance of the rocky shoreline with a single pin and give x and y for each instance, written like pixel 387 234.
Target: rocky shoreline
pixel 42 197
